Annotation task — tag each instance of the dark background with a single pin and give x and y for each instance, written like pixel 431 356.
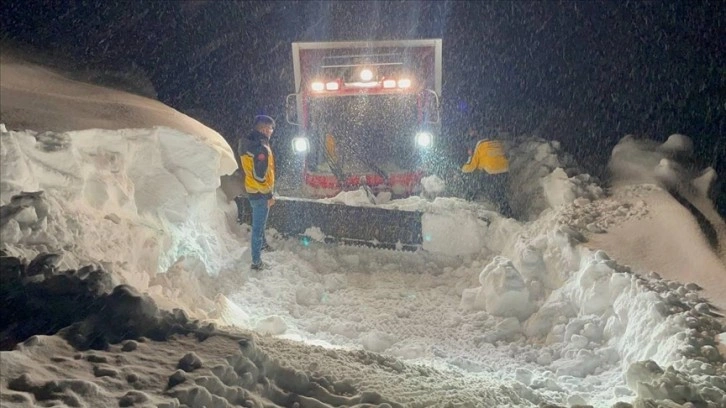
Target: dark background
pixel 582 72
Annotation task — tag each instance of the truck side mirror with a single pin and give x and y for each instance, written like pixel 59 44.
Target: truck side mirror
pixel 431 106
pixel 291 104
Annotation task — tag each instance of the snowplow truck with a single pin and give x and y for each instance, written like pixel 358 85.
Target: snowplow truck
pixel 367 118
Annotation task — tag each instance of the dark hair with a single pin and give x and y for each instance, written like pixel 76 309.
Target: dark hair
pixel 263 120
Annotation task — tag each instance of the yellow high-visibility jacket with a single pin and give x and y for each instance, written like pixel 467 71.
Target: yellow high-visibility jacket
pixel 488 155
pixel 258 165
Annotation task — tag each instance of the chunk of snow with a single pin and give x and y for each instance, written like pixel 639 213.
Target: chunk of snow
pixel 274 325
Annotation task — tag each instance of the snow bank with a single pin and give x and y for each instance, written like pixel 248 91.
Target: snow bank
pixel 670 165
pixel 595 319
pixel 136 201
pixel 636 161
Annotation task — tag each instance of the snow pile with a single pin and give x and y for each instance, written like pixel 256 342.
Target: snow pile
pixel 133 201
pixel 503 292
pixel 637 161
pixel 432 186
pixel 595 319
pixel 454 232
pixel 543 177
pixel 671 166
pixel 359 197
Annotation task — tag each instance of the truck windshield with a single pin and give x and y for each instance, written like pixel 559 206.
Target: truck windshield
pixel 369 131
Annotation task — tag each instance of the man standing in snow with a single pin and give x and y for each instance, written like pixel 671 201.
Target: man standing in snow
pixel 490 168
pixel 258 165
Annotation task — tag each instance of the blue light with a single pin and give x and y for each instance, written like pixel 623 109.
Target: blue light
pixel 463 106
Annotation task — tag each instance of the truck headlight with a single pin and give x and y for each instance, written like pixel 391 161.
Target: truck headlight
pixel 424 139
pixel 300 144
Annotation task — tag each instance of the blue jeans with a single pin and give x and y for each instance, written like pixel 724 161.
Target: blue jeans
pixel 259 220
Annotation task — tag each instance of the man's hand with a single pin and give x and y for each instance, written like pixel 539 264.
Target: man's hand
pixel 270 202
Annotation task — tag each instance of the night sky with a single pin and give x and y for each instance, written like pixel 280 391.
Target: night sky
pixel 582 72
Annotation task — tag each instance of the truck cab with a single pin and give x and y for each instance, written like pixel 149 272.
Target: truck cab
pixel 367 113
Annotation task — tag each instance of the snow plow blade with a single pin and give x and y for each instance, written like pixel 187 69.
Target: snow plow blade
pixel 340 223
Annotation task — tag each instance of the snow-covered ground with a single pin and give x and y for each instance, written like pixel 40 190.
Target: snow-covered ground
pixel 602 295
